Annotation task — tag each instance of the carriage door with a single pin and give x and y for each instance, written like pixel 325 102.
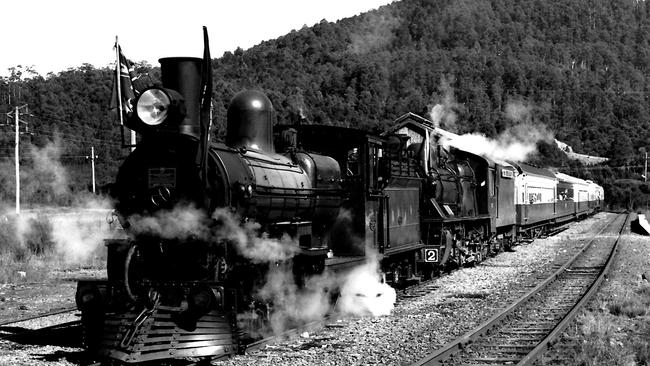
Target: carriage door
pixel 375 205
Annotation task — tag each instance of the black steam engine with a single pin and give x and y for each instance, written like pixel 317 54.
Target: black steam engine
pixel 206 220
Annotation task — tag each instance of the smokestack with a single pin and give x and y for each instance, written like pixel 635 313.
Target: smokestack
pixel 183 74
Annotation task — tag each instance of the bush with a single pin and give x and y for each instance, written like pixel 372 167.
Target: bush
pixel 38 238
pixel 630 306
pixel 20 237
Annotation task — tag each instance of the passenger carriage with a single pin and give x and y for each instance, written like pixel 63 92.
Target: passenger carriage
pixel 575 192
pixel 535 192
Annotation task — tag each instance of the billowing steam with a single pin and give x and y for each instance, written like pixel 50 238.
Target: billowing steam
pixel 259 249
pixel 443 114
pixel 66 226
pixel 183 222
pixel 516 143
pixel 79 234
pixel 293 304
pixel 361 289
pixel 376 30
pixel 47 171
pixel 362 292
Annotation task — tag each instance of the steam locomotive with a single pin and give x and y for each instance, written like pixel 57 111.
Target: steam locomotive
pixel 202 217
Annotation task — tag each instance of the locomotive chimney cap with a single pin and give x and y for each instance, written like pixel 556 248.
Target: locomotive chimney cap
pixel 250 121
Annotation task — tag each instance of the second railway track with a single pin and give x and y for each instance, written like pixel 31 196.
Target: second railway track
pixel 522 331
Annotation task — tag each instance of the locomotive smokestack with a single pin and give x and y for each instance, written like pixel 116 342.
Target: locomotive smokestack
pixel 183 74
pixel 250 121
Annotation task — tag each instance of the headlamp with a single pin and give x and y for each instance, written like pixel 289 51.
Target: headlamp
pixel 153 106
pixel 157 109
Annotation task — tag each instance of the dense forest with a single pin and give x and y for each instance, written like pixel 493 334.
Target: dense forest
pixel 578 68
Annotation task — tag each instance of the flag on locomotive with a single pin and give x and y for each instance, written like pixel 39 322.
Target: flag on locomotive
pixel 123 92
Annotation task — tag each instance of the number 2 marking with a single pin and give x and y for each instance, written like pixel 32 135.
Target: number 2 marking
pixel 431 255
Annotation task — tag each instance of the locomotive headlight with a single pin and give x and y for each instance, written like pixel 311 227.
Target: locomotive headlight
pixel 157 109
pixel 153 106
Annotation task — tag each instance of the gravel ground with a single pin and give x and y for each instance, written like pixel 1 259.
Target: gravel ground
pixel 460 302
pixel 457 302
pixel 28 299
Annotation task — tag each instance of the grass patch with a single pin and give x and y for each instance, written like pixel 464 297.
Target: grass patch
pixel 630 307
pixel 616 334
pixel 600 344
pixel 633 304
pixel 644 291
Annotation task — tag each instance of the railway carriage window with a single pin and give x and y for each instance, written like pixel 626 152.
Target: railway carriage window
pixel 373 175
pixel 353 162
pixel 491 181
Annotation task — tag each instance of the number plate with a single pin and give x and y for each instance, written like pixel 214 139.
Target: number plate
pixel 431 255
pixel 162 177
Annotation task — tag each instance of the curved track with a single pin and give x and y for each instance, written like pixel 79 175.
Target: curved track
pixel 521 332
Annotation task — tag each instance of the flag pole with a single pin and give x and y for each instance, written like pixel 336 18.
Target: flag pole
pixel 118 75
pixel 119 88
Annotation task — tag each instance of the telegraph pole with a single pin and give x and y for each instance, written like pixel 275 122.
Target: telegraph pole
pixel 92 164
pixel 17 152
pixel 645 171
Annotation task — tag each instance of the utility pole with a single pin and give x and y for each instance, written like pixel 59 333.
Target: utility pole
pixel 16 154
pixel 17 151
pixel 645 171
pixel 92 164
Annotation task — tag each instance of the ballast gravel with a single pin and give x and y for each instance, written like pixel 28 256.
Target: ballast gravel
pixel 455 304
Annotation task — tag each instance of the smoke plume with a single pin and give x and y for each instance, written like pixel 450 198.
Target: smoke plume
pixel 47 169
pixel 443 113
pixel 516 143
pixel 79 234
pixel 363 293
pixel 294 305
pixel 182 222
pixel 249 243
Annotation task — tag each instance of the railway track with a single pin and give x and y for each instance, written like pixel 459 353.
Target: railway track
pixel 41 315
pixel 412 291
pixel 519 334
pixel 10 330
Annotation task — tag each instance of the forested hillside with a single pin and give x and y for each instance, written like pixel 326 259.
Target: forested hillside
pixel 579 68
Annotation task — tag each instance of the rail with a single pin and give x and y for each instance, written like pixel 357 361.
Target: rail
pixel 463 343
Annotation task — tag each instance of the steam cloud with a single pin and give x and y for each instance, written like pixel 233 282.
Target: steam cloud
pixel 74 233
pixel 443 114
pixel 48 167
pixel 292 304
pixel 79 234
pixel 248 242
pixel 362 292
pixel 183 222
pixel 516 143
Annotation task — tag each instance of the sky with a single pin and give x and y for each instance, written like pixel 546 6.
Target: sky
pixel 54 35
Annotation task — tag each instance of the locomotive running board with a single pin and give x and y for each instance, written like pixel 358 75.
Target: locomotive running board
pixel 159 338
